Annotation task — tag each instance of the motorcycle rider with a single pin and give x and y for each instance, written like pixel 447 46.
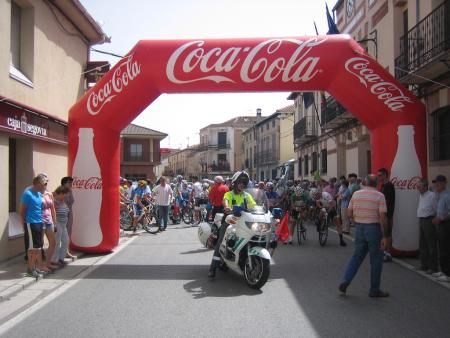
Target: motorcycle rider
pixel 236 197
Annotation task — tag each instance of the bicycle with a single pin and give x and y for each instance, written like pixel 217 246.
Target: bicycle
pixel 299 220
pixel 144 221
pixel 322 226
pixel 187 212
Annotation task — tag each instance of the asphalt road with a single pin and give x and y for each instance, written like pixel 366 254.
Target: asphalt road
pixel 157 286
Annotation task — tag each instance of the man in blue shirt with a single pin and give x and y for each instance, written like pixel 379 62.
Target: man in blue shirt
pixel 30 215
pixel 442 222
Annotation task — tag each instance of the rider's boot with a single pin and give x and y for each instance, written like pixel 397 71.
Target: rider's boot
pixel 213 267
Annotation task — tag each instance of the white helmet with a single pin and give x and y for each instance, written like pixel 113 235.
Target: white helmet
pixel 204 231
pixel 313 192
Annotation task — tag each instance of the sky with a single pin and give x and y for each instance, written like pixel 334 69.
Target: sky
pixel 183 115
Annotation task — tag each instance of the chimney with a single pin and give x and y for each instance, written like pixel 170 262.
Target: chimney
pixel 258 112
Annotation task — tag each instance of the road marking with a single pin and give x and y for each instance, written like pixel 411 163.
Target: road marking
pixel 9 324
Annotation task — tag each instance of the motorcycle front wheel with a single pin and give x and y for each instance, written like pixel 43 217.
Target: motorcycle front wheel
pixel 258 275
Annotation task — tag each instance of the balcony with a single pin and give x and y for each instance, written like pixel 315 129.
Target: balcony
pixel 305 130
pixel 334 115
pixel 206 147
pixel 143 158
pixel 213 168
pixel 425 49
pixel 266 157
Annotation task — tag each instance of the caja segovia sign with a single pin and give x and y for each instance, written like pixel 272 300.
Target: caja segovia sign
pixel 24 123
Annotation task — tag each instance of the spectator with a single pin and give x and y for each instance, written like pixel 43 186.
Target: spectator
pixel 62 212
pixel 163 194
pixel 388 190
pixel 344 200
pixel 48 221
pixel 69 200
pixel 353 184
pixel 368 208
pixel 216 195
pixel 30 214
pixel 442 222
pixel 426 211
pixel 330 187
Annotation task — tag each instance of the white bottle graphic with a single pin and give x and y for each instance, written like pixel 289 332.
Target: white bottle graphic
pixel 87 192
pixel 405 175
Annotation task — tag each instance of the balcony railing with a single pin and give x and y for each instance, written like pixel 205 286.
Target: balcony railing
pixel 305 130
pixel 266 157
pixel 425 42
pixel 333 114
pixel 143 157
pixel 219 146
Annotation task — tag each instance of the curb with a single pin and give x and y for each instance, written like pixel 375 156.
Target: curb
pixel 16 288
pixel 26 282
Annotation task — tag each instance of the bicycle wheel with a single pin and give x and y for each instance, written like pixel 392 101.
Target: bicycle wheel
pixel 298 225
pixel 125 220
pixel 185 215
pixel 323 231
pixel 148 225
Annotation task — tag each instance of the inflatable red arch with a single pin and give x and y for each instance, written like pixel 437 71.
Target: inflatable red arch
pixel 336 64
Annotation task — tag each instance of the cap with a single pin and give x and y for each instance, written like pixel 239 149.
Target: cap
pixel 218 179
pixel 440 178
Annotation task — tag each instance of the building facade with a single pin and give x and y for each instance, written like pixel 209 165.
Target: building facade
pixel 140 152
pixel 220 147
pixel 44 57
pixel 327 136
pixel 268 144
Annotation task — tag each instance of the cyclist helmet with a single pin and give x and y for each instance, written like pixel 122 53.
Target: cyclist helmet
pixel 298 190
pixel 179 178
pixel 172 185
pixel 205 186
pixel 240 176
pixel 142 183
pixel 290 183
pixel 269 185
pixel 314 193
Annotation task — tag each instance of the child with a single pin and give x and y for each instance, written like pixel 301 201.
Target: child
pixel 62 217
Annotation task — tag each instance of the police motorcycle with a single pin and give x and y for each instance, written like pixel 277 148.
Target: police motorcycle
pixel 248 242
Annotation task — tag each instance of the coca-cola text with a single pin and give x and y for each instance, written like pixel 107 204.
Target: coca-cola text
pixel 407 183
pixel 253 62
pixel 89 183
pixel 127 70
pixel 391 95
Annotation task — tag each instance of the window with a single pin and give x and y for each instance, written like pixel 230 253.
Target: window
pixel 22 44
pixel 314 159
pixel 441 134
pixel 274 143
pixel 273 123
pixel 300 163
pixel 323 156
pixel 221 140
pixel 274 173
pixel 135 152
pixel 267 126
pixel 306 165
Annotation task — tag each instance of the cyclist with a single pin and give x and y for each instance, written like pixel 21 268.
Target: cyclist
pixel 298 208
pixel 138 197
pixel 272 195
pixel 236 197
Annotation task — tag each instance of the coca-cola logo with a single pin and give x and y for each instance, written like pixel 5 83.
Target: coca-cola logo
pixel 91 183
pixel 254 63
pixel 411 183
pixel 127 70
pixel 391 95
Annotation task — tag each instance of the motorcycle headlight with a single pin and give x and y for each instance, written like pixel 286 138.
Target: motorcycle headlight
pixel 258 227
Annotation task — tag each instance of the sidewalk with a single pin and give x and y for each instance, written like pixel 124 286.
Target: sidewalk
pixel 14 281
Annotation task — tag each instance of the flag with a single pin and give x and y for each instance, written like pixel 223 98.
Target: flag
pixel 282 230
pixel 332 28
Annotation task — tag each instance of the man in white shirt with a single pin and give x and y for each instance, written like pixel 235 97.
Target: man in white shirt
pixel 197 194
pixel 426 211
pixel 163 195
